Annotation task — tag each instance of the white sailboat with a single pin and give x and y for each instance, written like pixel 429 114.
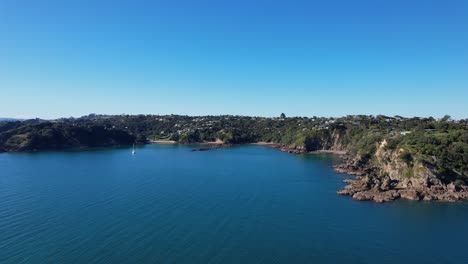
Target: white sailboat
pixel 133 150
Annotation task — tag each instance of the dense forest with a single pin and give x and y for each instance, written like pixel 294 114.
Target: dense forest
pixel 440 142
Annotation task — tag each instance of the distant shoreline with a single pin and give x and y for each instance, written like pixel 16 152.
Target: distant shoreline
pixel 261 143
pixel 299 150
pixel 218 142
pixel 162 141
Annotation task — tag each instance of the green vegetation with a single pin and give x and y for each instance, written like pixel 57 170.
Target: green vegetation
pixel 406 157
pixel 441 143
pixel 37 135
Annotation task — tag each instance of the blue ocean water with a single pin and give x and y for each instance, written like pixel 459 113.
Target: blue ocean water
pixel 245 204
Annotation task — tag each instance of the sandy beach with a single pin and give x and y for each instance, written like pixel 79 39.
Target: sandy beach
pixel 163 141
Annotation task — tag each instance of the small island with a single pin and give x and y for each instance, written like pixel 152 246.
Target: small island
pixel 391 157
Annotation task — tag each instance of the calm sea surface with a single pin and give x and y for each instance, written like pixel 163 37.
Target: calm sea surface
pixel 246 204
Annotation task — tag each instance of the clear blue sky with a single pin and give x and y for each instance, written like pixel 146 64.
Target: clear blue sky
pixel 326 58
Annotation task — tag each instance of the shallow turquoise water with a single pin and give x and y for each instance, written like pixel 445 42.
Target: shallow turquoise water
pixel 244 204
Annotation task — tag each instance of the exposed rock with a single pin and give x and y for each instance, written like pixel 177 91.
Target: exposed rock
pixel 376 196
pixel 410 195
pixel 388 177
pixel 364 189
pixel 364 196
pixel 292 150
pixel 386 184
pixel 384 189
pixel 451 187
pixel 369 188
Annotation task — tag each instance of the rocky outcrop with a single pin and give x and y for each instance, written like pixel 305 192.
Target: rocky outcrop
pixel 290 149
pixel 387 177
pixel 370 188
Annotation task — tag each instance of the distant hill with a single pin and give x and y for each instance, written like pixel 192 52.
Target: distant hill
pixel 9 119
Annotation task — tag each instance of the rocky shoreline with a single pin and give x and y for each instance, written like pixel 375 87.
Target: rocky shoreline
pixel 375 184
pixel 367 186
pixel 299 150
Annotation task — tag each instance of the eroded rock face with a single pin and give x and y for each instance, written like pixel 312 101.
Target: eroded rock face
pixel 289 149
pixel 371 188
pixel 378 197
pixel 387 177
pixel 386 184
pixel 410 194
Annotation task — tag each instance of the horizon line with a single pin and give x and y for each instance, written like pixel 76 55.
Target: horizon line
pixel 218 115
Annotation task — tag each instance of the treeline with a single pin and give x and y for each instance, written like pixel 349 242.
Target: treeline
pixel 24 136
pixel 443 142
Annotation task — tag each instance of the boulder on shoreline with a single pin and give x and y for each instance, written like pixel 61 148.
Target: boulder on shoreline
pixel 370 188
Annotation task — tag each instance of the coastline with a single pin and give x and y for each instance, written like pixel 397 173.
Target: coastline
pixel 299 150
pixel 162 142
pixel 367 185
pixel 217 142
pixel 333 152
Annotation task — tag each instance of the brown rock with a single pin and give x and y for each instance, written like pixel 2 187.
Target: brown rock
pixel 349 180
pixel 451 187
pixel 363 196
pixel 429 198
pixel 409 195
pixel 385 186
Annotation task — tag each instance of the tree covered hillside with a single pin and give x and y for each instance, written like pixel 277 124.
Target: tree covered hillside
pixel 442 143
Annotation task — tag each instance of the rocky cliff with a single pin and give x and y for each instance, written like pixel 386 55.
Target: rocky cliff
pixel 395 174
